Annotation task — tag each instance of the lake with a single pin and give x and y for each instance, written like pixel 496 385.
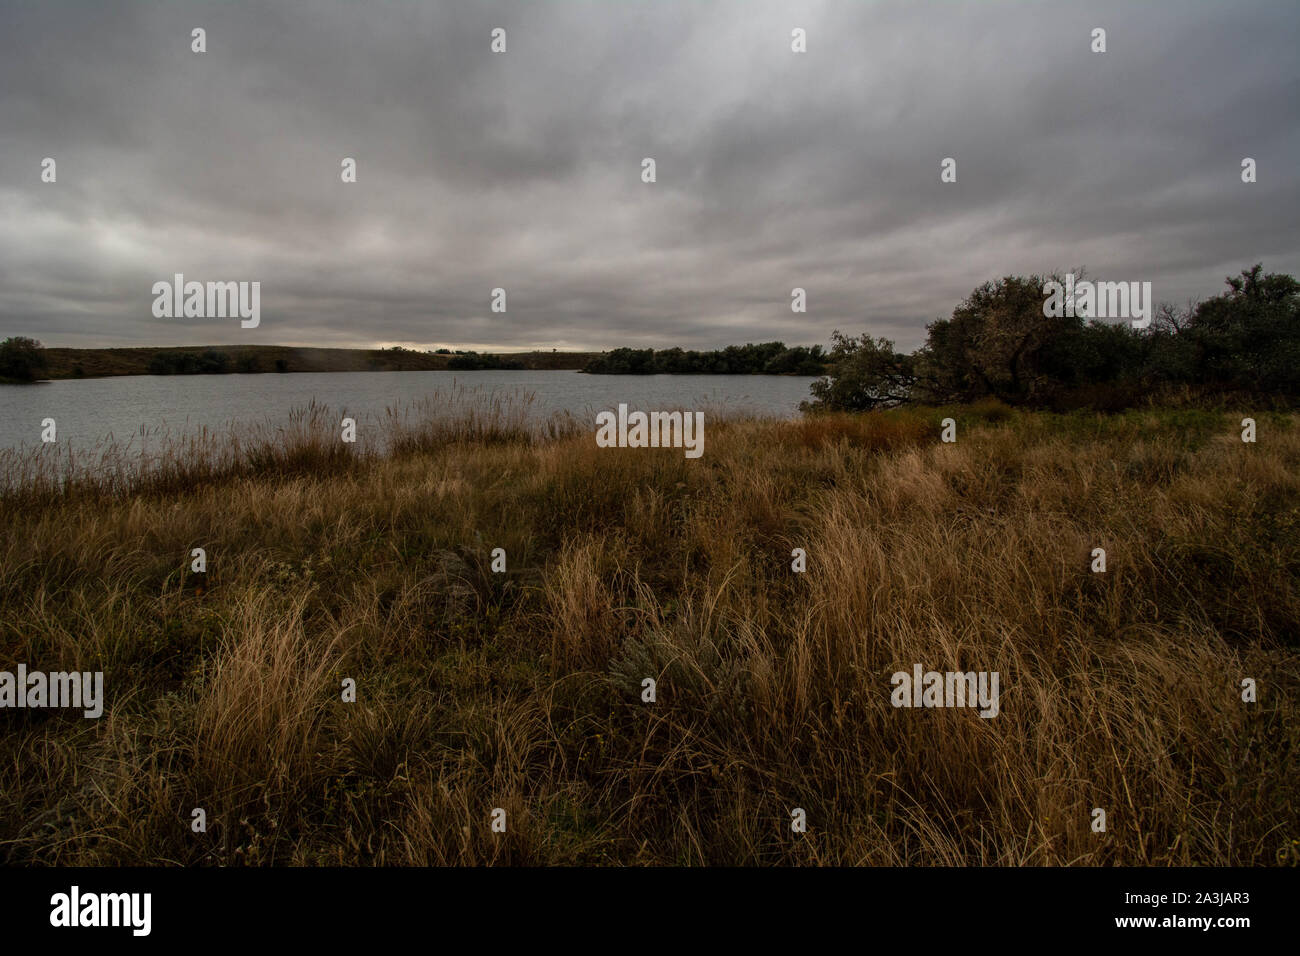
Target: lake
pixel 89 412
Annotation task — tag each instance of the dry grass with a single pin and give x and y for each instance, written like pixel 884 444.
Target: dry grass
pixel 523 690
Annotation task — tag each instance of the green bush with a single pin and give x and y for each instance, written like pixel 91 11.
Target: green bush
pixel 21 359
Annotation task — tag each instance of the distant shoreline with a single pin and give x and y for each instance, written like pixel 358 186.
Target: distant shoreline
pixel 72 363
pixel 69 363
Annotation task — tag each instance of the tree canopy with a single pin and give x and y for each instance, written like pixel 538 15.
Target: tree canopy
pixel 21 359
pixel 999 344
pixel 769 358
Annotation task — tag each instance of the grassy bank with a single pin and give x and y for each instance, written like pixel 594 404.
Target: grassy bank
pixel 523 690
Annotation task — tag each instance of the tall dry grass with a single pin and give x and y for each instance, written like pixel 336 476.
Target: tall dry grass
pixel 523 690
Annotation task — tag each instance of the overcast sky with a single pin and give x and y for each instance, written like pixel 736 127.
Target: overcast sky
pixel 523 169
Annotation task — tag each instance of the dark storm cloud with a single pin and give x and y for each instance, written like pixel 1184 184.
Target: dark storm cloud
pixel 522 170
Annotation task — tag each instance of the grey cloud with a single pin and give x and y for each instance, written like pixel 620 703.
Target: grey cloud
pixel 523 170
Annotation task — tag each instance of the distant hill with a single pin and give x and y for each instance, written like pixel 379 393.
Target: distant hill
pixel 217 359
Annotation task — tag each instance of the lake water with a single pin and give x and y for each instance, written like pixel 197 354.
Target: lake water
pixel 89 412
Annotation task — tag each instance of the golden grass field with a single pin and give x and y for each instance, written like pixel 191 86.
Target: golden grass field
pixel 522 690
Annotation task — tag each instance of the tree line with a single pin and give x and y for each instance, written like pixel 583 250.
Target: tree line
pixel 208 362
pixel 767 358
pixel 999 344
pixel 473 361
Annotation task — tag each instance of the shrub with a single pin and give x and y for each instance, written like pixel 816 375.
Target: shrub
pixel 21 359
